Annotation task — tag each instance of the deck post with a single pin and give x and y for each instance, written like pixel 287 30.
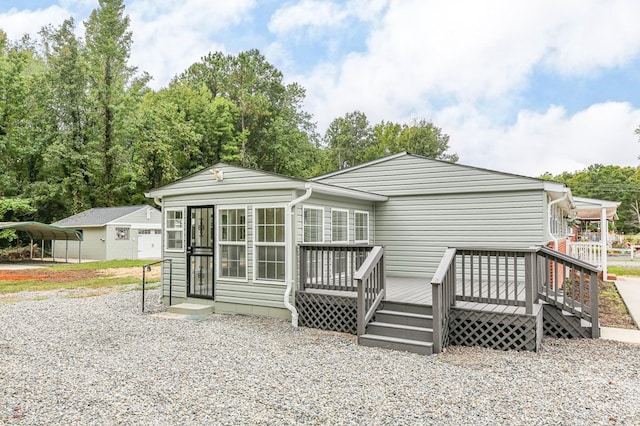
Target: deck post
pixel 530 281
pixel 593 299
pixel 361 308
pixel 437 317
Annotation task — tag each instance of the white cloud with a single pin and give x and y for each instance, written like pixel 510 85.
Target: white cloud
pixel 551 141
pixel 16 23
pixel 169 36
pixel 470 51
pixel 315 14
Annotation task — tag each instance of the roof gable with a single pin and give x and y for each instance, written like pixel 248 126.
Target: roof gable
pixel 231 178
pixel 410 174
pixel 222 177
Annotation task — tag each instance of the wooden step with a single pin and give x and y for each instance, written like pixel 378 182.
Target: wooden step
pixel 395 343
pixel 191 309
pixel 421 334
pixel 406 307
pixel 404 318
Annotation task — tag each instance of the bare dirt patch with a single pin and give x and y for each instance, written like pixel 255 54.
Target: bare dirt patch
pixel 46 275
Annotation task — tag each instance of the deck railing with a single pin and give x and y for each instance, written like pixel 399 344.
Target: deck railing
pixel 370 280
pixel 569 284
pixel 330 267
pixel 513 277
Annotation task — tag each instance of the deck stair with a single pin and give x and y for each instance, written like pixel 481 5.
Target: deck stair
pixel 400 326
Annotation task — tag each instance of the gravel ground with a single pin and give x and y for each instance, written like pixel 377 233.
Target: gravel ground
pixel 98 360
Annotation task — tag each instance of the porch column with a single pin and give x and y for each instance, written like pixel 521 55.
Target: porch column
pixel 604 232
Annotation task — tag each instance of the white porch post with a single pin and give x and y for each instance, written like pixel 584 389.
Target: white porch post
pixel 604 232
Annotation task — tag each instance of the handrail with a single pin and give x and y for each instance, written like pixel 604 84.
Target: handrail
pixel 370 278
pixel 571 285
pixel 566 258
pixel 443 290
pixel 146 268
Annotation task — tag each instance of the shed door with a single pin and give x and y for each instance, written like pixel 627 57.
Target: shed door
pixel 200 255
pixel 149 243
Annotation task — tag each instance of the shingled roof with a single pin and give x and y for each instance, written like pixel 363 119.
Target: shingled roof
pixel 97 216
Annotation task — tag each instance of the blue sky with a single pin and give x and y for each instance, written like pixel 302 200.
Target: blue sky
pixel 520 86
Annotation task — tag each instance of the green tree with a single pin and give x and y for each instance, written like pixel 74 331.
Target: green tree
pixel 14 210
pixel 108 44
pixel 271 128
pixel 71 166
pixel 348 140
pixel 613 183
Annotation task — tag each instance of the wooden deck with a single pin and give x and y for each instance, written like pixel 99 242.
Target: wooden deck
pixel 399 289
pixel 409 290
pixel 418 291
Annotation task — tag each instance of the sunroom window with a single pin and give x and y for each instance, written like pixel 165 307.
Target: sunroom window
pixel 339 226
pixel 174 230
pixel 361 226
pixel 232 240
pixel 312 222
pixel 269 242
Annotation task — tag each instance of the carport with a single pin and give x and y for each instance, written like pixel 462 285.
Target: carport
pixel 42 232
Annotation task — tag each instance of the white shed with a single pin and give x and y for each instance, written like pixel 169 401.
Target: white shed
pixel 127 232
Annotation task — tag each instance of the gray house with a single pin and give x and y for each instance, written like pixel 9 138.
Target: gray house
pixel 128 232
pixel 405 251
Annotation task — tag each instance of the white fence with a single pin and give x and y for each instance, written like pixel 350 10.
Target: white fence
pixel 589 252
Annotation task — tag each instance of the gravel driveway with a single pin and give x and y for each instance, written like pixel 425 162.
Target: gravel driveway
pixel 98 360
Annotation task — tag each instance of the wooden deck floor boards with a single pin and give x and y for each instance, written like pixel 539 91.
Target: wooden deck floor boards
pixel 418 290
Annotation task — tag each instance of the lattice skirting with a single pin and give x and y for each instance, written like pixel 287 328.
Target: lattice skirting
pixel 334 313
pixel 494 330
pixel 557 324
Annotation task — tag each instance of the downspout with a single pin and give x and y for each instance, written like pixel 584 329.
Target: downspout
pixel 288 213
pixel 551 204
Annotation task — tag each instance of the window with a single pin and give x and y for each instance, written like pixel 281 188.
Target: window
pixel 232 240
pixel 122 233
pixel 313 224
pixel 339 226
pixel 174 230
pixel 361 226
pixel 269 241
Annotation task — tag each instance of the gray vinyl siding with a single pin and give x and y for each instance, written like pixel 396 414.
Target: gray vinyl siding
pixel 236 193
pixel 435 204
pixel 410 175
pixel 231 291
pixel 416 230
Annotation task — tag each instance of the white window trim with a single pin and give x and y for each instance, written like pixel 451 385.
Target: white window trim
pixel 183 229
pixel 355 232
pixel 232 243
pixel 344 211
pixel 256 244
pixel 321 223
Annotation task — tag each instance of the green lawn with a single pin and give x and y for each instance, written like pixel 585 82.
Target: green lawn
pixel 633 272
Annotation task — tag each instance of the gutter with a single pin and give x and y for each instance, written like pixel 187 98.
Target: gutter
pixel 288 213
pixel 551 204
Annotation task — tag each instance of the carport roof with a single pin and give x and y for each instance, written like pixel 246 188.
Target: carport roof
pixel 42 231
